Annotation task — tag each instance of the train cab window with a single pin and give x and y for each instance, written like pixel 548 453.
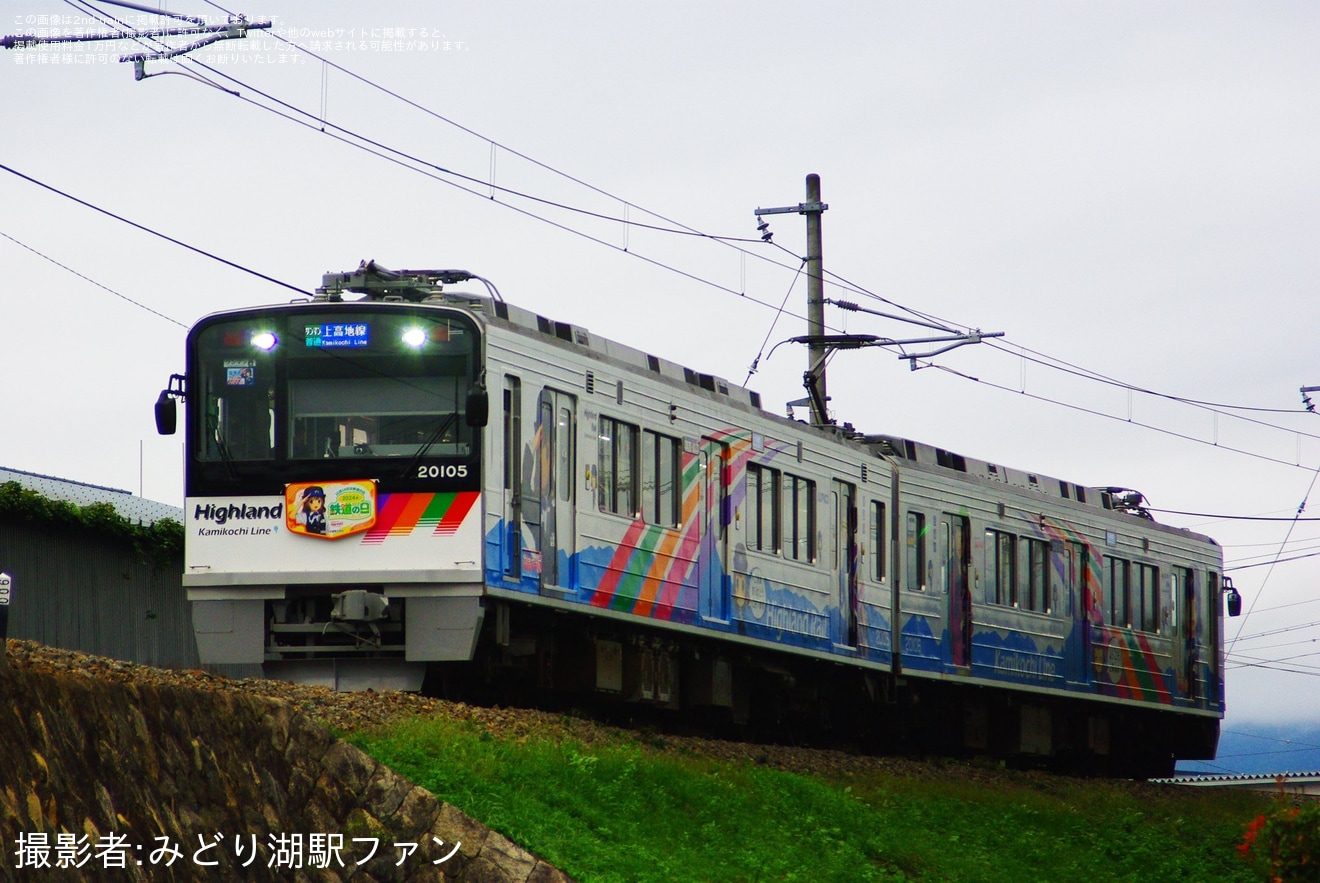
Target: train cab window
pixel 800 518
pixel 380 386
pixel 617 484
pixel 1117 607
pixel 1146 598
pixel 915 562
pixel 879 537
pixel 1000 568
pixel 1034 589
pixel 237 380
pixel 763 510
pixel 662 475
pixel 240 423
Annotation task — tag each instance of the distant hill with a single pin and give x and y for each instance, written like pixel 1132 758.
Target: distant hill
pixel 1253 748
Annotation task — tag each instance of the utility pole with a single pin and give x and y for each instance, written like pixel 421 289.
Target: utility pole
pixel 821 345
pixel 818 350
pixel 816 353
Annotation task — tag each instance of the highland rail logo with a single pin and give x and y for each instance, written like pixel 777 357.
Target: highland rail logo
pixel 222 515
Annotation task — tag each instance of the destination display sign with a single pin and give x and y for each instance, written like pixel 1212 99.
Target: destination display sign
pixel 337 335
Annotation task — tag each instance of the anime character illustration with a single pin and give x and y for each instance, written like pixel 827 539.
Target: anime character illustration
pixel 311 509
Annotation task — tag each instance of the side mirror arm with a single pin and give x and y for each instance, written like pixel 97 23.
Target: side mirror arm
pixel 1234 598
pixel 167 413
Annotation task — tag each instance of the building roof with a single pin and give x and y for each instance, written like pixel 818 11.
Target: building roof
pixel 1287 781
pixel 134 508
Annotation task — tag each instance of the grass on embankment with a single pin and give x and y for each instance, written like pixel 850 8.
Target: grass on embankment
pixel 627 813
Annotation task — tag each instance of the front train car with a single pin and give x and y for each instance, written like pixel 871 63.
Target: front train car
pixel 333 477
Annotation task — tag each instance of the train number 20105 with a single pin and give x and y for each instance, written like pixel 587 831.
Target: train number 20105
pixel 442 471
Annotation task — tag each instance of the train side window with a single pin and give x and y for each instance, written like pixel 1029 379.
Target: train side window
pixel 512 433
pixel 1119 612
pixel 878 538
pixel 1147 598
pixel 662 473
pixel 617 486
pixel 1034 590
pixel 915 565
pixel 763 510
pixel 1000 568
pixel 1180 581
pixel 800 501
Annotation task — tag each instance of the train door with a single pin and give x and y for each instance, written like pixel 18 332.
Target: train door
pixel 1211 635
pixel 714 591
pixel 513 479
pixel 557 424
pixel 955 551
pixel 845 561
pixel 1188 623
pixel 1075 600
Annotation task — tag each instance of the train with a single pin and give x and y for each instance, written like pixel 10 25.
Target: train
pixel 397 480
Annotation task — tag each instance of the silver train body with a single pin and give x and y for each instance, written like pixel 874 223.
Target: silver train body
pixel 610 524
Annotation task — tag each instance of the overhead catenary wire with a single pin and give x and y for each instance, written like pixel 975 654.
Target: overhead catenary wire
pixel 85 278
pixel 920 317
pixel 1260 589
pixel 848 285
pixel 145 229
pixel 1096 413
pixel 852 286
pixel 771 330
pixel 412 163
pixel 347 139
pixel 676 227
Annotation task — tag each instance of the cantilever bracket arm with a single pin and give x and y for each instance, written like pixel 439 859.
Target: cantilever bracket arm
pixel 953 343
pixel 834 342
pixel 235 29
pixel 858 341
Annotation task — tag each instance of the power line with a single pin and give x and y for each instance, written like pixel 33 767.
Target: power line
pixel 1085 410
pixel 404 159
pixel 1228 567
pixel 1048 361
pixel 1292 604
pixel 117 294
pixel 928 319
pixel 1067 367
pixel 1043 359
pixel 1271 739
pixel 1236 661
pixel 1052 363
pixel 1297 643
pixel 1266 545
pixel 145 229
pixel 1282 630
pixel 1221 517
pixel 1260 590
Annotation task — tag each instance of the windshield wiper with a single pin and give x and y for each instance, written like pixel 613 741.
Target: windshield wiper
pixel 222 446
pixel 431 439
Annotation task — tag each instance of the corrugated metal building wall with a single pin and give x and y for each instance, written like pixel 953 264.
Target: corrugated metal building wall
pixel 75 590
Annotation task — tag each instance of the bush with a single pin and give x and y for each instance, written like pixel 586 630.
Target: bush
pixel 159 544
pixel 1283 844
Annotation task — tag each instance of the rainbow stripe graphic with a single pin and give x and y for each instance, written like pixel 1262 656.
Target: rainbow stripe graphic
pixel 401 514
pixel 1137 674
pixel 652 571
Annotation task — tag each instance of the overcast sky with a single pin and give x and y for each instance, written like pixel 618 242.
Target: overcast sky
pixel 1129 187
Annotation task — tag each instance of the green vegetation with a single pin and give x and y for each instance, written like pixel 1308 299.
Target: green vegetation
pixel 625 812
pixel 160 543
pixel 1283 843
